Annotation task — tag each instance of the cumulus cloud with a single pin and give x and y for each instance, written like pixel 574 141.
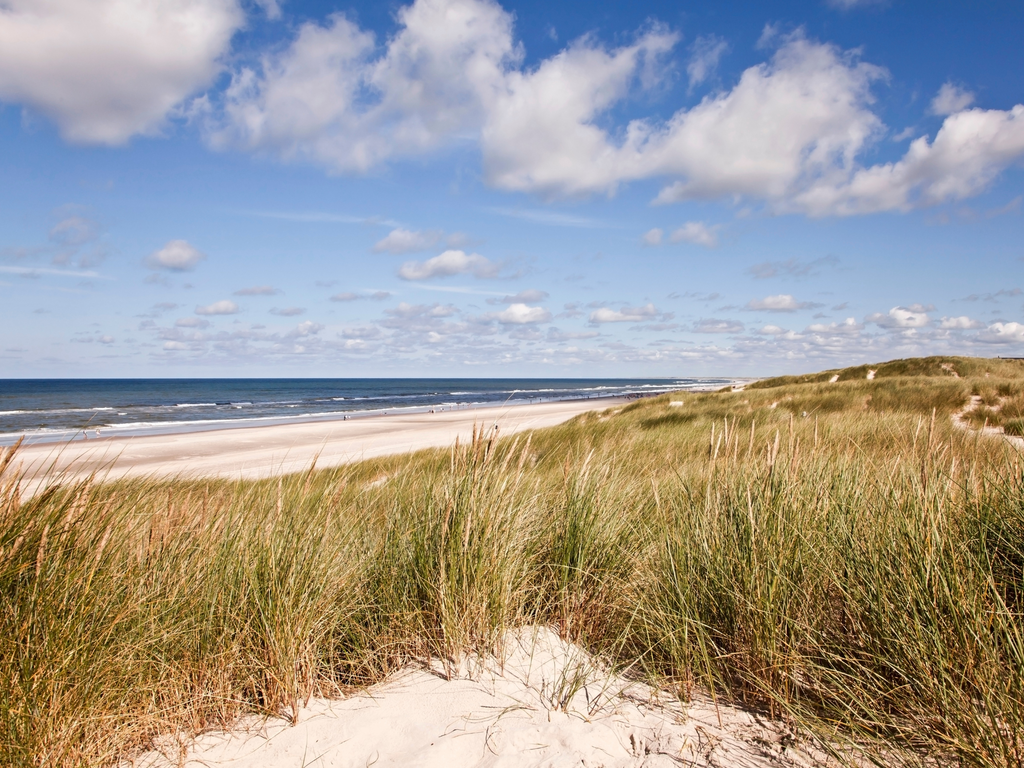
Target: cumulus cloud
pixel 287 311
pixel 849 326
pixel 959 323
pixel 521 314
pixel 408 241
pixel 704 56
pixel 333 97
pixel 223 307
pixel 695 232
pixel 914 316
pixel 1003 333
pixel 530 147
pixel 782 302
pixel 449 263
pixel 106 70
pixel 177 256
pixel 970 149
pixel 305 328
pixel 258 290
pixel 711 325
pixel 788 133
pixel 950 99
pixel 624 315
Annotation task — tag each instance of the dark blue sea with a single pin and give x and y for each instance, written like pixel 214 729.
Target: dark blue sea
pixel 50 410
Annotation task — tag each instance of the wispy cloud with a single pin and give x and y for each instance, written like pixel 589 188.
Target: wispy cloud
pixel 29 271
pixel 550 217
pixel 792 267
pixel 321 217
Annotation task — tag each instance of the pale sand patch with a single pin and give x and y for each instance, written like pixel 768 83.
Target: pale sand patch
pixel 546 703
pixel 251 452
pixel 960 422
pixel 871 375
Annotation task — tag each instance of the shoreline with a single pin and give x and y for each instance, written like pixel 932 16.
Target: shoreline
pixel 163 429
pixel 252 452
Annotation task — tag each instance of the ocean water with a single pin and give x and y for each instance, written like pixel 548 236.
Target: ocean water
pixel 52 410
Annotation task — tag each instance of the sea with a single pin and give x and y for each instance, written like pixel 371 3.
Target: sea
pixel 60 410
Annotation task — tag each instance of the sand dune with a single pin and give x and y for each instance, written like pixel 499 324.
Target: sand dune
pixel 545 702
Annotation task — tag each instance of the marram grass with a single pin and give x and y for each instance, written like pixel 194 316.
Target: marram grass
pixel 841 555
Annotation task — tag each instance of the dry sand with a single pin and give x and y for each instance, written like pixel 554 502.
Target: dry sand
pixel 544 703
pixel 251 452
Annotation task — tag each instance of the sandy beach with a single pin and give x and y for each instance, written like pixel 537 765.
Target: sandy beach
pixel 253 452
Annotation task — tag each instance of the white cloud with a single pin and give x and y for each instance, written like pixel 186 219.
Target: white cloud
pixel 408 241
pixel 959 323
pixel 408 311
pixel 521 314
pixel 848 327
pixel 704 56
pixel 712 325
pixel 696 232
pixel 789 133
pixel 540 133
pixel 971 148
pixel 332 98
pixel 305 328
pixel 772 330
pixel 914 316
pixel 652 237
pixel 1003 333
pixel 950 99
pixel 224 307
pixel 449 263
pixel 106 70
pixel 175 345
pixel 287 311
pixel 624 315
pixel 782 302
pixel 177 256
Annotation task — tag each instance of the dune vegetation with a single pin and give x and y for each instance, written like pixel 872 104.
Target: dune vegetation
pixel 843 552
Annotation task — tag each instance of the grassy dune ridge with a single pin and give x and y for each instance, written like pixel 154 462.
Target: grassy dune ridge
pixel 839 554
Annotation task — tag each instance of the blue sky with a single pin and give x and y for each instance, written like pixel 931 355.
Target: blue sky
pixel 467 188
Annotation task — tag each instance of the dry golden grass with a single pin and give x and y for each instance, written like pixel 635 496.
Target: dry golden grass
pixel 837 554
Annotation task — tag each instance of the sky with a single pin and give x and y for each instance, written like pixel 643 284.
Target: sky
pixel 204 188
